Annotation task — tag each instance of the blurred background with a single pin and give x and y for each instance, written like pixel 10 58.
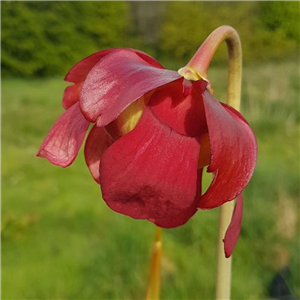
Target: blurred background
pixel 59 240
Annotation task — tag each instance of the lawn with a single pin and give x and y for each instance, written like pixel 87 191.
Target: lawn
pixel 60 240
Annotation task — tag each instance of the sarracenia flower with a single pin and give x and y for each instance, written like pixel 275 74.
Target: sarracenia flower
pixel 154 132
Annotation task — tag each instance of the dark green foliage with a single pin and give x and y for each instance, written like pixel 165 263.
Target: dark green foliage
pixel 281 16
pixel 46 38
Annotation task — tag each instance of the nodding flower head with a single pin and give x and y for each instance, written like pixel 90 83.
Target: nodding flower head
pixel 154 131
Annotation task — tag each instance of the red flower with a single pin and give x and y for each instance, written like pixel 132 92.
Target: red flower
pixel 154 133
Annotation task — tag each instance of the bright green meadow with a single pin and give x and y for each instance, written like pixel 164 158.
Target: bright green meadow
pixel 61 241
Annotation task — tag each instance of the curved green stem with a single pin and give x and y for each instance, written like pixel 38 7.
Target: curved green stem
pixel 153 290
pixel 196 69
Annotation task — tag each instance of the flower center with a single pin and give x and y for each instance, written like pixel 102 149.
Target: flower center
pixel 127 120
pixel 190 73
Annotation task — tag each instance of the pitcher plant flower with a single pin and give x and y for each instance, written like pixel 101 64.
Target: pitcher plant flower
pixel 154 131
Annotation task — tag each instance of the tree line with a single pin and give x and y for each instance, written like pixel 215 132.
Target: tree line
pixel 45 38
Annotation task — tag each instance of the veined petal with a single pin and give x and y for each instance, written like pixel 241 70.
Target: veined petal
pixel 234 228
pixel 65 138
pixel 150 173
pixel 77 75
pixel 116 81
pixel 184 216
pixel 79 72
pixel 97 142
pixel 233 152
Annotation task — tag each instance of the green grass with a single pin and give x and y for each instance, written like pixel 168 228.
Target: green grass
pixel 60 241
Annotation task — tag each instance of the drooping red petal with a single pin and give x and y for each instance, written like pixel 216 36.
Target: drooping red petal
pixel 234 228
pixel 64 140
pixel 182 111
pixel 184 216
pixel 97 142
pixel 150 173
pixel 79 72
pixel 71 95
pixel 116 81
pixel 233 153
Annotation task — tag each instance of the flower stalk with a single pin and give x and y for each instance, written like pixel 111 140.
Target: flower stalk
pixel 223 281
pixel 199 65
pixel 153 290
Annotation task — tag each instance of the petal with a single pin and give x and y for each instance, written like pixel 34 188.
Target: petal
pixel 178 220
pixel 79 72
pixel 183 112
pixel 234 228
pixel 184 216
pixel 71 95
pixel 77 75
pixel 97 142
pixel 150 173
pixel 116 81
pixel 233 152
pixel 64 140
